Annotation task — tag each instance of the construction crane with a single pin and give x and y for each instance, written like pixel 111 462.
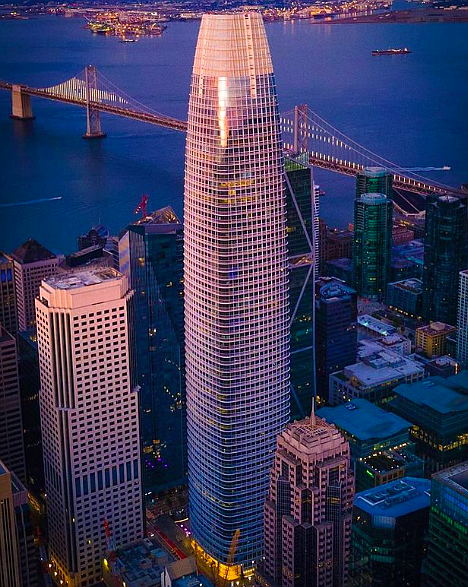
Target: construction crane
pixel 142 206
pixel 230 558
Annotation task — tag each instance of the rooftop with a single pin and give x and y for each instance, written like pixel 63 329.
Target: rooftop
pixel 373 198
pixel 162 216
pixel 373 172
pixel 334 290
pixel 412 285
pixel 436 329
pixel 4 258
pixel 75 280
pixel 312 435
pixel 377 326
pixel 455 477
pixel 439 394
pixel 391 459
pixel 31 251
pixel 364 420
pixel 396 498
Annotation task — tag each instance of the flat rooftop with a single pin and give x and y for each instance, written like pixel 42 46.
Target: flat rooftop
pixel 377 326
pixel 439 394
pixel 364 420
pixel 77 279
pixel 436 328
pixel 396 498
pixel 412 285
pixel 391 460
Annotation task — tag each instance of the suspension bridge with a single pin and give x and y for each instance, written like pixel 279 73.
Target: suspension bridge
pixel 305 134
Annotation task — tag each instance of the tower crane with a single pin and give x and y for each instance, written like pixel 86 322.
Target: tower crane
pixel 230 558
pixel 142 206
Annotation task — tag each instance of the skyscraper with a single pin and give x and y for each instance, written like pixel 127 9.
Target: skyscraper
pixel 8 316
pixel 11 428
pixel 18 565
pixel 462 322
pixel 301 211
pixel 32 263
pixel 372 244
pixel 335 330
pixel 445 255
pixel 447 553
pixel 372 180
pixel 89 419
pixel 235 280
pixel 151 253
pixel 309 507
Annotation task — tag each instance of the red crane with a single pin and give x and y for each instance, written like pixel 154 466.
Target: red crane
pixel 142 206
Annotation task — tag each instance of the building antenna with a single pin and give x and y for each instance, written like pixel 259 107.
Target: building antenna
pixel 313 419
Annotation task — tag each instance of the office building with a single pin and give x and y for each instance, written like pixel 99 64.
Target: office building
pixel 389 530
pixel 341 269
pixel 405 297
pixel 97 235
pixel 374 377
pixel 401 234
pixel 443 366
pixel 8 316
pixel 301 245
pixel 445 255
pixel 235 285
pixel 18 564
pixel 151 250
pixel 373 213
pixel 374 180
pixel 438 409
pixel 11 429
pixel 462 321
pixel 30 384
pixel 381 450
pixel 335 330
pixel 431 339
pixel 32 263
pixel 447 554
pixel 309 507
pixel 89 420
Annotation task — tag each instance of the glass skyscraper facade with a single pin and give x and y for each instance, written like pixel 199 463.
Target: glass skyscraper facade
pixel 300 227
pixel 373 216
pixel 445 255
pixel 236 285
pixel 371 180
pixel 151 256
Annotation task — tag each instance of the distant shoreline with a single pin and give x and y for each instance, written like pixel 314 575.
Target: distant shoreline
pixel 419 16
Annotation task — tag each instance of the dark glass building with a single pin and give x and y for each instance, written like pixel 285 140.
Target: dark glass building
pixel 335 330
pixel 301 286
pixel 374 180
pixel 447 557
pixel 445 255
pixel 373 213
pixel 8 317
pixel 151 256
pixel 388 536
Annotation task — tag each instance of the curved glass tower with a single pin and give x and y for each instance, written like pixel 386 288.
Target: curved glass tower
pixel 236 300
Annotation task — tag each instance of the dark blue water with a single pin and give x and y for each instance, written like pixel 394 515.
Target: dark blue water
pixel 411 109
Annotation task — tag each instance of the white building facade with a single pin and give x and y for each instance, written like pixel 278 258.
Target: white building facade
pixel 236 285
pixel 89 420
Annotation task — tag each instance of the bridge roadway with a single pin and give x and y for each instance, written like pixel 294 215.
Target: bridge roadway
pixel 316 159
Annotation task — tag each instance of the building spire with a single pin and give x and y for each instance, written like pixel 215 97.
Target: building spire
pixel 313 419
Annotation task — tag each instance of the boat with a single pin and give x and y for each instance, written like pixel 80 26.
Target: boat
pixel 128 40
pixel 391 51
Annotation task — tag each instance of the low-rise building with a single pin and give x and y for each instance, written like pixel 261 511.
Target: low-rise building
pixel 438 410
pixel 405 297
pixel 370 327
pixel 431 339
pixel 381 450
pixel 388 538
pixel 374 378
pixel 394 342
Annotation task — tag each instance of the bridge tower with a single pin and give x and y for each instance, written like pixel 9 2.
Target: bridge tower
pixel 301 128
pixel 21 108
pixel 93 116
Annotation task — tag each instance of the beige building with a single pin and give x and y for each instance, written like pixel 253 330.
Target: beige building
pixel 431 339
pixel 89 419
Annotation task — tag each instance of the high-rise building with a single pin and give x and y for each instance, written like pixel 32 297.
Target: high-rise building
pixel 11 428
pixel 309 507
pixel 301 212
pixel 445 255
pixel 151 252
pixel 335 330
pixel 438 410
pixel 389 530
pixel 8 316
pixel 235 283
pixel 462 322
pixel 372 244
pixel 89 420
pixel 374 180
pixel 18 564
pixel 32 263
pixel 447 556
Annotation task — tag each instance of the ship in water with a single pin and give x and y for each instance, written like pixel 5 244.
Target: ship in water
pixel 391 51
